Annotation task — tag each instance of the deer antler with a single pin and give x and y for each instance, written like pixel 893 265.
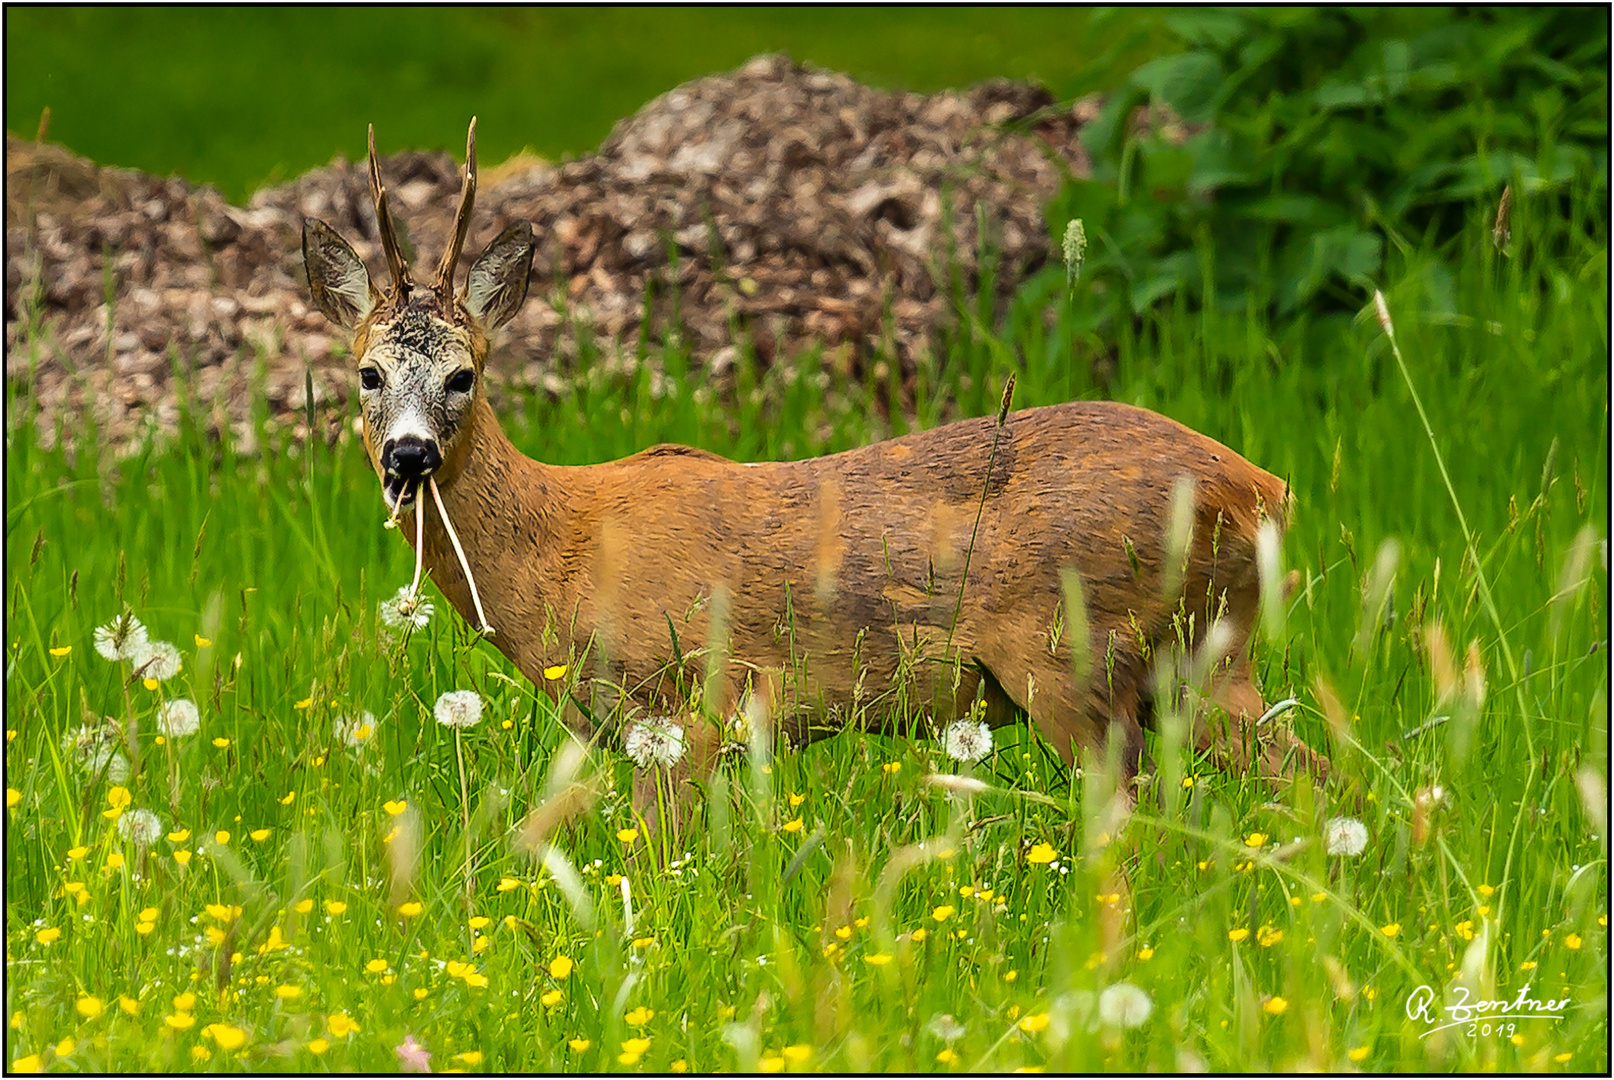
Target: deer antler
pixel 462 223
pixel 389 239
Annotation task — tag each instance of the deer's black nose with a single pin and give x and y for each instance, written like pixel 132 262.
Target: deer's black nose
pixel 411 458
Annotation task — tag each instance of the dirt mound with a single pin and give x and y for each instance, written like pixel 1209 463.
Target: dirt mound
pixel 779 205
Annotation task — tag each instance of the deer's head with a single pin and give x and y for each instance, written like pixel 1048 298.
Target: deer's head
pixel 419 351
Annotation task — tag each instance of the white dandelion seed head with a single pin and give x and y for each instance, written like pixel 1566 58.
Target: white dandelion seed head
pixel 357 731
pixel 179 718
pixel 1124 1005
pixel 1344 836
pixel 406 610
pixel 140 827
pixel 967 740
pixel 83 742
pixel 945 1028
pixel 1430 796
pixel 655 741
pixel 459 709
pixel 120 638
pixel 95 749
pixel 156 660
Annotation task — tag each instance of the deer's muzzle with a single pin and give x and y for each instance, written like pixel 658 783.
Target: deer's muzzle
pixel 407 462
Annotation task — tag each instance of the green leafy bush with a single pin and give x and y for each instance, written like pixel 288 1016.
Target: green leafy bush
pixel 1292 142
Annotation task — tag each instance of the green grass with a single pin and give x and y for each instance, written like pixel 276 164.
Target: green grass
pixel 278 563
pixel 265 94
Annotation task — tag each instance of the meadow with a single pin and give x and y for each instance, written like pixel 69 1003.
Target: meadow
pixel 321 876
pixel 263 851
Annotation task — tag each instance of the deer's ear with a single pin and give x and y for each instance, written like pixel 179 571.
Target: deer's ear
pixel 498 282
pixel 337 279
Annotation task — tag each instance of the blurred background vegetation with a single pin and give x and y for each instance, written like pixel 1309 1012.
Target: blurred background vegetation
pixel 1286 147
pixel 241 97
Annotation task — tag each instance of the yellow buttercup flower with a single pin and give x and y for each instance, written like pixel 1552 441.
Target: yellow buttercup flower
pixel 1041 853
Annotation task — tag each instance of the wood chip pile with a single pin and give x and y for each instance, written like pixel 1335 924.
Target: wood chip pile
pixel 802 206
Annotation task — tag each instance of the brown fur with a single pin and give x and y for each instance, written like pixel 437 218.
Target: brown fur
pixel 812 554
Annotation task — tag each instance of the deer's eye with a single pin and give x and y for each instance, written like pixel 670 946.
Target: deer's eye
pixel 461 381
pixel 370 378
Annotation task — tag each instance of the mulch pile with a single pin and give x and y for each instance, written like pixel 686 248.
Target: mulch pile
pixel 781 203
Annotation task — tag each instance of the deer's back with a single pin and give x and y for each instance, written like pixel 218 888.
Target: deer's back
pixel 878 538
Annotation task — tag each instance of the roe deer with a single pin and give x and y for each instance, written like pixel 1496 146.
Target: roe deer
pixel 931 561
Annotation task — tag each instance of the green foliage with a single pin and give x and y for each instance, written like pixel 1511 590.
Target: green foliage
pixel 1303 137
pixel 241 97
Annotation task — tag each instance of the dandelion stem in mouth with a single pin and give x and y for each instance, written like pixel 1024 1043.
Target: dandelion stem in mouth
pixel 459 551
pixel 420 548
pixel 397 508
